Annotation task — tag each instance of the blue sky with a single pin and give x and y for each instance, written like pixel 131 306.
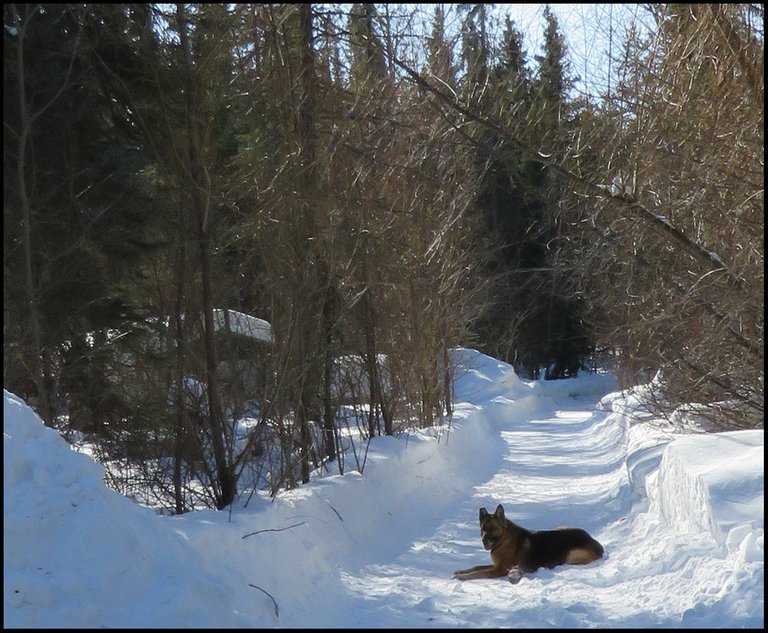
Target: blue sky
pixel 591 31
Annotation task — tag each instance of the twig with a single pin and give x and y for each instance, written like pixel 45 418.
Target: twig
pixel 336 511
pixel 277 610
pixel 274 530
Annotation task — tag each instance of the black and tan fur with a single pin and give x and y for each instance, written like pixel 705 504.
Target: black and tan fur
pixel 515 550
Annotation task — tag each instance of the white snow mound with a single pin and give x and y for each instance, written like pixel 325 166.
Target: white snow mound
pixel 715 483
pixel 65 533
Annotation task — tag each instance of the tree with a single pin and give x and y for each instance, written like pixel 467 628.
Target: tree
pixel 201 202
pixel 439 57
pixel 512 68
pixel 679 224
pixel 368 60
pixel 560 324
pixel 75 215
pixel 553 81
pixel 532 320
pixel 168 99
pixel 475 53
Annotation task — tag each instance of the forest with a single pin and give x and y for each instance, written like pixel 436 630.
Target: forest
pixel 291 214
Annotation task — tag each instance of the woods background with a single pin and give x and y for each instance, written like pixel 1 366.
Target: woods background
pixel 381 183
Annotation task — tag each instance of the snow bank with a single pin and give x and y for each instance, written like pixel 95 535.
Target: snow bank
pixel 701 482
pixel 77 554
pixel 243 324
pixel 693 544
pixel 303 545
pixel 479 376
pixel 715 483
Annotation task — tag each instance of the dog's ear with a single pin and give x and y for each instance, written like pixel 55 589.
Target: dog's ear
pixel 483 513
pixel 499 514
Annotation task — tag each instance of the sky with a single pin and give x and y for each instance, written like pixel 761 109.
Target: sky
pixel 594 34
pixel 680 515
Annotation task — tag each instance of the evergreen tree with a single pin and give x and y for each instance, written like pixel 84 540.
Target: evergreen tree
pixel 368 58
pixel 558 324
pixel 506 192
pixel 75 184
pixel 475 54
pixel 530 321
pixel 553 81
pixel 439 57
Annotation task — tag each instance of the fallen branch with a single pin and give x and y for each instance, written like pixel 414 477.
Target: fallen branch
pixel 274 529
pixel 701 253
pixel 277 610
pixel 336 511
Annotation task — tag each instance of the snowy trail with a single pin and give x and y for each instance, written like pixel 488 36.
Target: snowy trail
pixel 565 463
pixel 566 468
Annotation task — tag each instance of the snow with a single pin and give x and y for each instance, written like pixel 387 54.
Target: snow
pixel 680 516
pixel 722 477
pixel 243 324
pixel 79 554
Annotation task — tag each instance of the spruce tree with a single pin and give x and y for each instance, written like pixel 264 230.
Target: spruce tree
pixel 88 225
pixel 439 57
pixel 553 81
pixel 368 59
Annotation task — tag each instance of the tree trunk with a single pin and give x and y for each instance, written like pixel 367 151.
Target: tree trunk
pixel 329 425
pixel 45 409
pixel 201 199
pixel 306 139
pixel 182 415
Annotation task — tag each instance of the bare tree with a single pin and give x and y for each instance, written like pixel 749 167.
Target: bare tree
pixel 680 224
pixel 666 220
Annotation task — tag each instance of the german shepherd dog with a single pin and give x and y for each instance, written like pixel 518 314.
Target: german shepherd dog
pixel 515 550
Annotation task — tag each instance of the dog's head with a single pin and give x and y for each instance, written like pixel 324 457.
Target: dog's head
pixel 492 527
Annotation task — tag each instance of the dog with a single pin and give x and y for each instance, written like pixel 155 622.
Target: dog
pixel 515 550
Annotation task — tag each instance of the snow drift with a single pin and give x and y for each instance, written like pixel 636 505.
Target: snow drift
pixel 77 554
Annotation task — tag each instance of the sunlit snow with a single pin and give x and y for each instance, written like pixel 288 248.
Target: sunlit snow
pixel 680 516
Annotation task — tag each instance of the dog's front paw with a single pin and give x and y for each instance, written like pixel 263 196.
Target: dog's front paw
pixel 515 575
